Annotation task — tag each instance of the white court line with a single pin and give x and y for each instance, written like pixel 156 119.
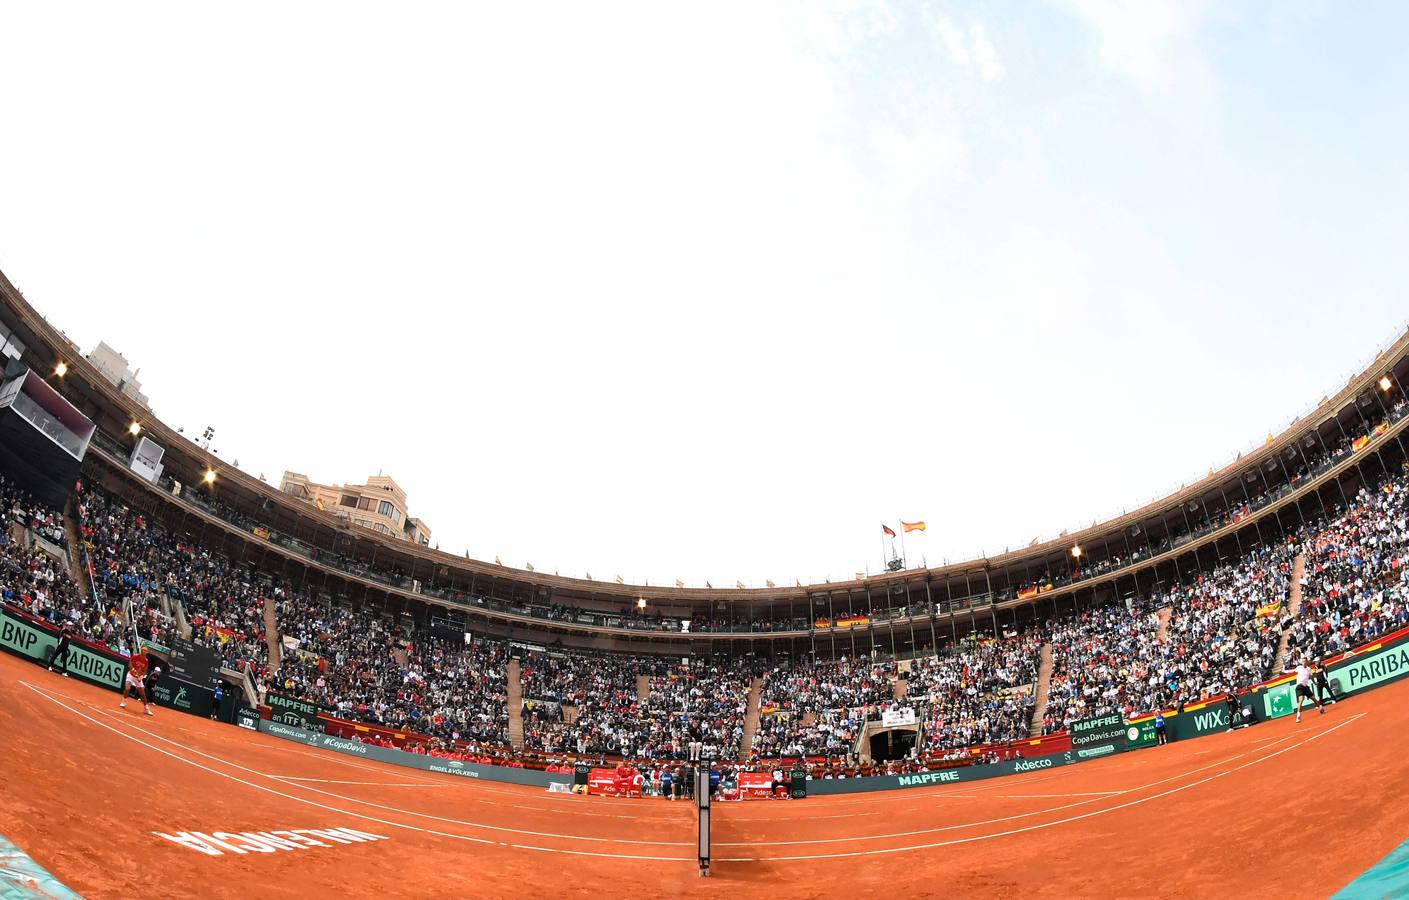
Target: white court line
pixel 414 784
pixel 347 812
pixel 1038 827
pixel 448 781
pixel 849 854
pixel 1055 796
pixel 963 825
pixel 957 827
pixel 396 809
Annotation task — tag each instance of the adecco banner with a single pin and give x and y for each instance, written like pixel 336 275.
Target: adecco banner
pixel 245 717
pixel 1100 736
pixel 955 775
pixel 31 638
pixel 292 711
pixel 396 757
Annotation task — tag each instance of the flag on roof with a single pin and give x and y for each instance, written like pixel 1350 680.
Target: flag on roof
pixel 620 580
pixel 913 526
pixel 888 530
pixel 770 584
pixel 679 583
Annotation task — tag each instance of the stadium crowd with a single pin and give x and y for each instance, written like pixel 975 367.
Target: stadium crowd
pixel 1217 631
pixel 979 692
pixel 139 560
pixel 1356 580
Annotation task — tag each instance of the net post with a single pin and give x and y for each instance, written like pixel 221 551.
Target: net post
pixel 702 769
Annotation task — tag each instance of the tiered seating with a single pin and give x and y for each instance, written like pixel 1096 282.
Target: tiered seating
pixel 980 692
pixel 136 558
pixel 819 709
pixel 1357 575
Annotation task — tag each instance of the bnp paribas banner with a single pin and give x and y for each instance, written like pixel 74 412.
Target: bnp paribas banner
pixel 1349 676
pixel 36 641
pixel 1370 669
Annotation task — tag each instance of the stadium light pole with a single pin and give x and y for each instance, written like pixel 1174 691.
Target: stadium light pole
pixel 134 429
pixel 61 369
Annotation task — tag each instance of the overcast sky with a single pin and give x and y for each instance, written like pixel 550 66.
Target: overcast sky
pixel 710 292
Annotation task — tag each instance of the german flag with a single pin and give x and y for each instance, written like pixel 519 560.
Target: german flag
pixel 1359 443
pixel 889 532
pixel 913 526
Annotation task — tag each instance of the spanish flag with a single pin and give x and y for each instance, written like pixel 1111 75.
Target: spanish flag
pixel 889 532
pixel 913 526
pixel 619 580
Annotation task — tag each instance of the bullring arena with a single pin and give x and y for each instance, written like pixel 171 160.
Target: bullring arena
pixel 932 387
pixel 90 789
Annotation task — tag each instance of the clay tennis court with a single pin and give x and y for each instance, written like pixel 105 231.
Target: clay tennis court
pixel 1281 809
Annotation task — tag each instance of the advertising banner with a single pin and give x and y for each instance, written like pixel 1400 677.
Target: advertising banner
pixel 1099 736
pixel 396 757
pixel 1279 700
pixel 956 775
pixel 36 640
pixel 292 711
pixel 1356 673
pixel 755 785
pixel 176 693
pixel 1199 721
pixel 246 717
pixel 797 785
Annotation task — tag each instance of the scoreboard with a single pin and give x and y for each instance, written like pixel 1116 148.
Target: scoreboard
pixel 194 663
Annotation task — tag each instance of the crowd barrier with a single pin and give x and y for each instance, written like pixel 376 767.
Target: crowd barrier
pixel 391 755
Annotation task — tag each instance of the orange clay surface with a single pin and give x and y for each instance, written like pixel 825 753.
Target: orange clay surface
pixel 1278 810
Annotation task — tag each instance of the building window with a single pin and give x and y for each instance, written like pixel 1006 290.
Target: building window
pixel 348 500
pixel 385 508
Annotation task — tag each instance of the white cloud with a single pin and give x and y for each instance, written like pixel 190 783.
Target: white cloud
pixel 971 50
pixel 1153 43
pixel 990 68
